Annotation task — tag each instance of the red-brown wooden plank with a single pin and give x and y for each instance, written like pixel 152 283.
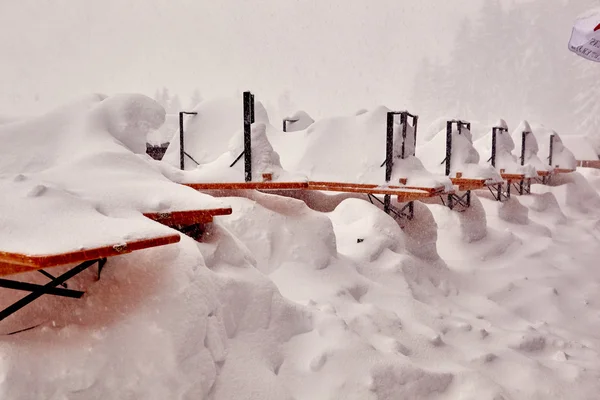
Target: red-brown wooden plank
pixel 188 217
pixel 512 177
pixel 248 185
pixel 53 260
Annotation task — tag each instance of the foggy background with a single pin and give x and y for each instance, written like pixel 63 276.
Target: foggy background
pixel 476 59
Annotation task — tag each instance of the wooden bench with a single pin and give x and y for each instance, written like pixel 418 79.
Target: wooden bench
pixel 403 194
pixel 188 217
pixel 265 185
pixel 190 222
pixel 15 263
pixel 466 184
pixel 512 177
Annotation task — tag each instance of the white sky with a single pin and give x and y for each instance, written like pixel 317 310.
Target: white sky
pixel 334 55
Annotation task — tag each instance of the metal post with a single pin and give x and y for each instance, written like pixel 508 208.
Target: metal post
pixel 415 123
pixel 551 150
pixel 181 161
pixel 523 137
pixel 494 147
pixel 404 123
pixel 448 146
pixel 247 136
pixel 252 108
pixel 389 147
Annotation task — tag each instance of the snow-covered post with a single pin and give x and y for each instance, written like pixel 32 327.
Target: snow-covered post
pixel 551 150
pixel 389 157
pixel 248 114
pixel 403 122
pixel 182 152
pixel 495 131
pixel 415 123
pixel 252 109
pixel 181 149
pixel 448 146
pixel 523 146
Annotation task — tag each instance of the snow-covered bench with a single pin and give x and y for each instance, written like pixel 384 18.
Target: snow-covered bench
pixel 12 263
pixel 188 222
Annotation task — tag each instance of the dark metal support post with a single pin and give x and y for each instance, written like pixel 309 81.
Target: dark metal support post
pixel 248 114
pixel 252 109
pixel 389 157
pixel 493 158
pixel 404 123
pixel 181 151
pixel 551 150
pixel 523 140
pixel 448 146
pixel 49 288
pixel 415 123
pixel 523 137
pixel 389 147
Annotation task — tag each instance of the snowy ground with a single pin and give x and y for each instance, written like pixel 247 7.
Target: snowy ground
pixel 286 302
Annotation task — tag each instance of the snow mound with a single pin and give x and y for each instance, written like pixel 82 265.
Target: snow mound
pixel 363 231
pixel 329 151
pixel 79 159
pixel 265 161
pixel 505 159
pixel 298 121
pixel 464 157
pixel 130 118
pixel 562 157
pixel 207 134
pixel 531 147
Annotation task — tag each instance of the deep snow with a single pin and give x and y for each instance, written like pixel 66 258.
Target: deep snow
pixel 285 302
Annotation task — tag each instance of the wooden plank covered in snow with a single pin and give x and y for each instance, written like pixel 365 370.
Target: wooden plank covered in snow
pixel 11 263
pixel 465 184
pixel 403 194
pixel 267 185
pixel 512 177
pixel 188 217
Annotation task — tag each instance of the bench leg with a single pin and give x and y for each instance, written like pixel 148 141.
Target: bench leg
pixel 49 288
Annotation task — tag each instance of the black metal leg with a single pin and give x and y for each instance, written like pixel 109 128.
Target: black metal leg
pixel 101 264
pixel 32 287
pixel 43 290
pixel 48 275
pixel 387 201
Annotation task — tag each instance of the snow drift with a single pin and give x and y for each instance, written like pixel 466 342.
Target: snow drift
pixel 285 302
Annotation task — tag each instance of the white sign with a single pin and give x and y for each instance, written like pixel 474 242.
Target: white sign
pixel 585 37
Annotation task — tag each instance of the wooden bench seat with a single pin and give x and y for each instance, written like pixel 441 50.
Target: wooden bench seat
pixel 19 261
pixel 267 185
pixel 403 193
pixel 14 263
pixel 465 184
pixel 512 177
pixel 189 217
